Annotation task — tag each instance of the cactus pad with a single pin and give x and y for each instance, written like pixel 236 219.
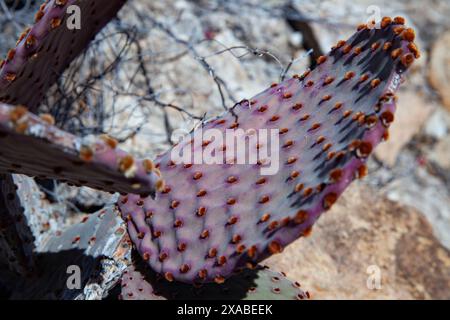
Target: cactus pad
pixel 213 218
pixel 46 49
pixel 257 284
pixel 27 204
pixel 20 223
pixel 32 146
pixel 98 245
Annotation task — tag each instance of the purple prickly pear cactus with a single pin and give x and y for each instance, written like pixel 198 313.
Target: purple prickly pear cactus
pixel 31 145
pixel 208 221
pixel 46 49
pixel 213 218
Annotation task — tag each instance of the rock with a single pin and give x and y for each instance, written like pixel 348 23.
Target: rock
pixel 365 233
pixel 438 125
pixel 441 153
pixel 333 20
pixel 429 195
pixel 412 112
pixel 440 68
pixel 85 199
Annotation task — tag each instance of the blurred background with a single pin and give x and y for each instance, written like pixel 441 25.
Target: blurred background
pixel 163 66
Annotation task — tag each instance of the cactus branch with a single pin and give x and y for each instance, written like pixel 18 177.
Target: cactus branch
pixel 31 145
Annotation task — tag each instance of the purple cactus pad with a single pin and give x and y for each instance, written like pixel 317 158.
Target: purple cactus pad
pixel 213 218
